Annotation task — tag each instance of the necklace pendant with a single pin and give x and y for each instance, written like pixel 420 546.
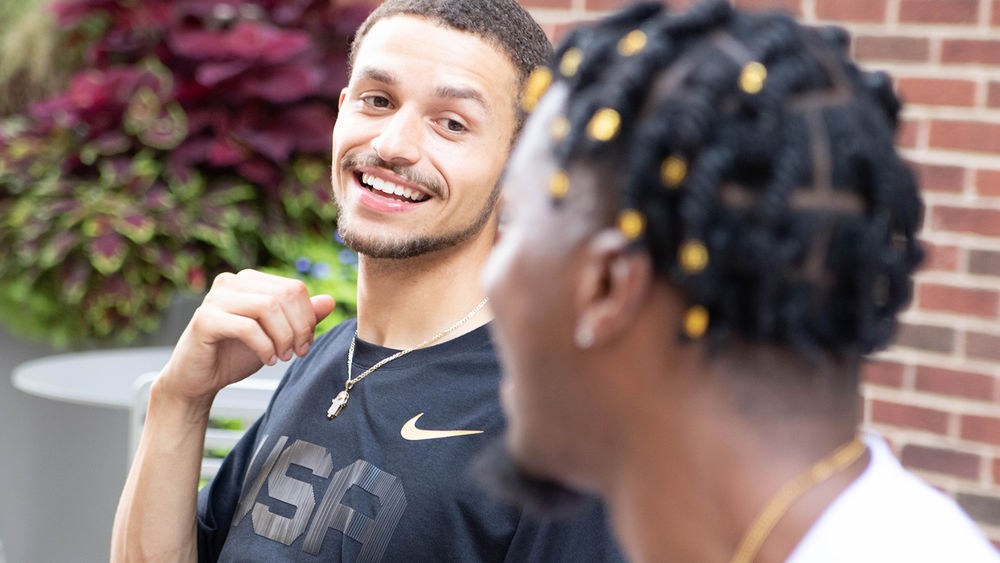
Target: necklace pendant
pixel 338 404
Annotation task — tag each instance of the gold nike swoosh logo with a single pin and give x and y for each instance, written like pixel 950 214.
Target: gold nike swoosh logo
pixel 409 431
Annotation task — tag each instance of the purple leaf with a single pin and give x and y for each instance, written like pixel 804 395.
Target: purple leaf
pixel 107 252
pixel 349 17
pixel 223 153
pixel 211 74
pixel 273 143
pixel 259 171
pixel 192 151
pixel 198 43
pixel 252 40
pixel 136 226
pixel 284 84
pixel 312 124
pixel 75 280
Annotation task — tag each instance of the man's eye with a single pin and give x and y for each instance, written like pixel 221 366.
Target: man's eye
pixel 377 101
pixel 454 126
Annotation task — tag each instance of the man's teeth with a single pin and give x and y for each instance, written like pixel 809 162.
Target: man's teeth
pixel 385 186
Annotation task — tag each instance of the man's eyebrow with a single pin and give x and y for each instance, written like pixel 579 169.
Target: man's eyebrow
pixel 458 93
pixel 378 75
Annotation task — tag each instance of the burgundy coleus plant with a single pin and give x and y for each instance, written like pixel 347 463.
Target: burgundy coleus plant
pixel 195 138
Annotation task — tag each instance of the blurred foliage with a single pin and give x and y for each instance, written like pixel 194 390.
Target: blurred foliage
pixel 326 267
pixel 195 140
pixel 31 66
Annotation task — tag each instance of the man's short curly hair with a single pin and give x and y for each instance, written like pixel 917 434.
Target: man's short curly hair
pixel 755 163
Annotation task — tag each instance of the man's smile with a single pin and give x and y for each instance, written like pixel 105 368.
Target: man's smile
pixel 390 189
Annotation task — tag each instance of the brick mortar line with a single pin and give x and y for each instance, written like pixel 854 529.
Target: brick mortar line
pixel 980 94
pixel 989 116
pixel 556 16
pixel 953 321
pixel 901 436
pixel 932 198
pixel 926 399
pixel 919 358
pixel 928 71
pixel 965 159
pixel 985 14
pixel 915 316
pixel 914 30
pixel 907 355
pixel 961 280
pixel 943 199
pixel 892 14
pixel 963 240
pixel 926 439
pixel 912 69
pixel 808 10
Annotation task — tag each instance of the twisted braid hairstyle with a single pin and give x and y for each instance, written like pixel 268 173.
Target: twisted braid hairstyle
pixel 754 162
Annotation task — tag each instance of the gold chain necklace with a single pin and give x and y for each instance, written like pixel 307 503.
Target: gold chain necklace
pixel 764 523
pixel 340 401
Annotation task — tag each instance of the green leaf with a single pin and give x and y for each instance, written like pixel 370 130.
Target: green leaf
pixel 107 252
pixel 139 228
pixel 143 109
pixel 54 250
pixel 168 130
pixel 228 194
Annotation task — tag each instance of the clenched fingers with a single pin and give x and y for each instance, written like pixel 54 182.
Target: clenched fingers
pixel 280 305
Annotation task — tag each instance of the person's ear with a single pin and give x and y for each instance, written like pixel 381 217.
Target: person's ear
pixel 614 282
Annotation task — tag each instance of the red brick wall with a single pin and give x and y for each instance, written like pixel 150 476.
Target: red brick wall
pixel 935 395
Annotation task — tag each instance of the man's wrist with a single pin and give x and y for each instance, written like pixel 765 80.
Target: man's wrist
pixel 163 394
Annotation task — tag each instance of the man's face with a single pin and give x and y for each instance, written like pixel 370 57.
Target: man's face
pixel 423 132
pixel 529 279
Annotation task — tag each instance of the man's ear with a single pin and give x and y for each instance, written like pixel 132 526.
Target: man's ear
pixel 614 282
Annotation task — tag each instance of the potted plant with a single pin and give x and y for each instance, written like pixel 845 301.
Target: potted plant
pixel 194 139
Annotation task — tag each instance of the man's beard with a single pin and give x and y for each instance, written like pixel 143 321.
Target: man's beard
pixel 496 471
pixel 415 245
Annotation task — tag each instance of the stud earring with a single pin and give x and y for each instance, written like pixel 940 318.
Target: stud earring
pixel 584 337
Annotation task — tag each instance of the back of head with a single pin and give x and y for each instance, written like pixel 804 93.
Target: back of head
pixel 504 23
pixel 755 163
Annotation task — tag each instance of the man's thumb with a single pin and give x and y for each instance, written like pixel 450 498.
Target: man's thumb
pixel 322 306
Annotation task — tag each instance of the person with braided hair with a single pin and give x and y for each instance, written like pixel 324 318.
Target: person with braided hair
pixel 706 230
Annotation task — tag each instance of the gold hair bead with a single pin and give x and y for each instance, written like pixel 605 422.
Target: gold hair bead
pixel 559 128
pixel 604 125
pixel 559 185
pixel 696 322
pixel 537 84
pixel 632 43
pixel 631 223
pixel 752 77
pixel 673 171
pixel 693 256
pixel 570 61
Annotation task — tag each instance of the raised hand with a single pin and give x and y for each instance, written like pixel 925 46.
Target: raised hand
pixel 247 320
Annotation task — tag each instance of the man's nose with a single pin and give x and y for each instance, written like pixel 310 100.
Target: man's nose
pixel 399 139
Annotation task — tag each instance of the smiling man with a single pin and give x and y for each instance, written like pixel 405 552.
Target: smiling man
pixel 361 455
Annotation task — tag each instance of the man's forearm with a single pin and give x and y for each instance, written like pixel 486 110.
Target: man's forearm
pixel 156 517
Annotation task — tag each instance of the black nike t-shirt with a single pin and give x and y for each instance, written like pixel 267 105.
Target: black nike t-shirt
pixel 300 487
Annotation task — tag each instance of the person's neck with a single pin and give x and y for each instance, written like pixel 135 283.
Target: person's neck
pixel 694 477
pixel 402 303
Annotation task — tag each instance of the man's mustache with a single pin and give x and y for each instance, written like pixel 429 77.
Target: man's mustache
pixel 432 186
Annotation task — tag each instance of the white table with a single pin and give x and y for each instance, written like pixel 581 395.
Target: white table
pixel 105 378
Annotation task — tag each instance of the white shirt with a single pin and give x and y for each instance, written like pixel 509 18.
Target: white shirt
pixel 889 515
